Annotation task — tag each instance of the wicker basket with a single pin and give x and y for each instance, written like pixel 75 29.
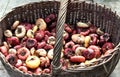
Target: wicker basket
pixel 76 11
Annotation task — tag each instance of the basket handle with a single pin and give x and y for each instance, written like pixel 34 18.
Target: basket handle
pixel 59 36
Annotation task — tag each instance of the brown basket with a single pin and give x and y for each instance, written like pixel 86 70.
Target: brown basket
pixel 80 11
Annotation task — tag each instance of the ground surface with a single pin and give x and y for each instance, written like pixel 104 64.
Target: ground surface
pixel 114 4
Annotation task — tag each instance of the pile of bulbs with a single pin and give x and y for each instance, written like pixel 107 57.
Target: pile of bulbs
pixel 29 47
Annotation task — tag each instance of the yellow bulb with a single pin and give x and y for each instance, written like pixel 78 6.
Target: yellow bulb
pixel 87 41
pixel 32 62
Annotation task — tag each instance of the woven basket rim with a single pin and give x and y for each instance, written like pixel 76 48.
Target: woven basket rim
pixel 66 69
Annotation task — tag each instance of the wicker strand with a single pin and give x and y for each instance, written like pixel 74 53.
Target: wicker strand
pixel 59 34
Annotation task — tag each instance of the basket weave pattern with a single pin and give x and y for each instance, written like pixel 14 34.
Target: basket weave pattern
pixel 80 11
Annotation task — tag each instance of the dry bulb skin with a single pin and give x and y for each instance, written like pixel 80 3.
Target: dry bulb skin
pixel 35 28
pixel 82 25
pixel 15 24
pixel 32 51
pixel 51 40
pixel 87 41
pixel 12 51
pixel 6 44
pixel 19 63
pixel 23 53
pixel 77 38
pixel 79 50
pixel 30 33
pixel 99 31
pixel 8 33
pixel 41 24
pixel 50 54
pixel 32 62
pixel 29 47
pixel 20 31
pixel 41 52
